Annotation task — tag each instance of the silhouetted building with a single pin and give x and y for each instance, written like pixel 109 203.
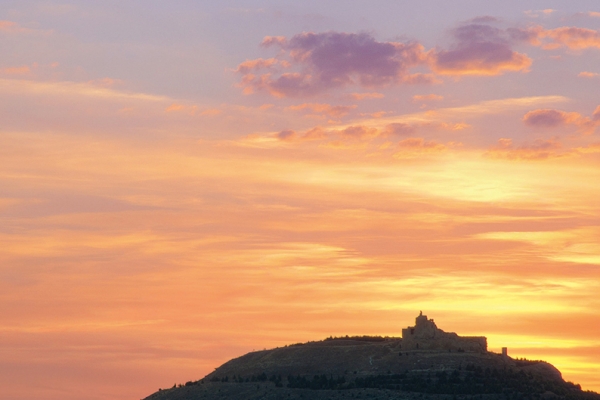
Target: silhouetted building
pixel 425 335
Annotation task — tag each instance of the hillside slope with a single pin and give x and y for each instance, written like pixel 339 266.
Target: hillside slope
pixel 376 368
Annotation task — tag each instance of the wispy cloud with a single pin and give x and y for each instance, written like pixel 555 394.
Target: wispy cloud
pixel 75 88
pixel 587 74
pixel 539 150
pixel 322 109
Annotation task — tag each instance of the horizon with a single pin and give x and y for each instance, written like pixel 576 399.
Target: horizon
pixel 184 182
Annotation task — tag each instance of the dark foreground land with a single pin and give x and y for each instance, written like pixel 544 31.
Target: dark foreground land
pixel 376 368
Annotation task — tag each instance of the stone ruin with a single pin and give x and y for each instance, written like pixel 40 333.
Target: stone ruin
pixel 425 335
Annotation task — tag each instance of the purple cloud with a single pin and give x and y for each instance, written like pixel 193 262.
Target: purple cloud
pixel 323 61
pixel 480 50
pixel 550 118
pixel 545 118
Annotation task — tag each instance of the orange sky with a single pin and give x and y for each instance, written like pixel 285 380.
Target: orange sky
pixel 150 233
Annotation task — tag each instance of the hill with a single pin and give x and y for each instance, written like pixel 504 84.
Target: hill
pixel 425 363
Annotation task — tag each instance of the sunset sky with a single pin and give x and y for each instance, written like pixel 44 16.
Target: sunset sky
pixel 182 182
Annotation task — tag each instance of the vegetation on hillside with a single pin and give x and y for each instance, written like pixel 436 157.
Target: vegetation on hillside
pixel 471 380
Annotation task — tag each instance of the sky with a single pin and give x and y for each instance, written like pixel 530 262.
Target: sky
pixel 183 182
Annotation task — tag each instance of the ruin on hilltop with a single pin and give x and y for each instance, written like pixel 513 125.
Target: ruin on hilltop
pixel 425 335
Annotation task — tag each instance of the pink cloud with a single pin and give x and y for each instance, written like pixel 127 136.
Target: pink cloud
pixel 427 97
pixel 312 63
pixel 596 114
pixel 417 147
pixel 253 65
pixel 567 36
pixel 545 118
pixel 324 61
pixel 550 118
pixel 176 107
pixel 287 135
pixel 539 150
pixel 316 133
pixel 364 96
pixel 359 132
pixel 399 129
pixel 10 27
pixel 21 70
pixel 572 37
pixel 211 112
pixel 274 40
pixel 319 108
pixel 480 50
pixel 420 143
pixel 364 134
pixel 587 74
pixel 591 148
pixel 420 79
pixel 106 82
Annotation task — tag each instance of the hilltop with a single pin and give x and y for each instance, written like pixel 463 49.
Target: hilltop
pixel 425 363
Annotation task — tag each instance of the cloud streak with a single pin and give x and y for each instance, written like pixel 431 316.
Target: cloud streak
pixel 539 150
pixel 571 37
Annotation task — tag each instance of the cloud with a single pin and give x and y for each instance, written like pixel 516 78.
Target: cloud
pixel 480 50
pixel 539 150
pixel 573 38
pixel 106 82
pixel 323 61
pixel 427 97
pixel 63 88
pixel 484 19
pixel 11 27
pixel 175 107
pixel 344 135
pixel 326 109
pixel 566 36
pixel 312 63
pixel 551 118
pixel 21 70
pixel 546 118
pixel 359 132
pixel 586 74
pixel 399 129
pixel 415 146
pixel 289 135
pixel 192 110
pixel 350 133
pixel 273 40
pixel 365 96
pixel 211 112
pixel 253 65
pixel 591 148
pixel 539 13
